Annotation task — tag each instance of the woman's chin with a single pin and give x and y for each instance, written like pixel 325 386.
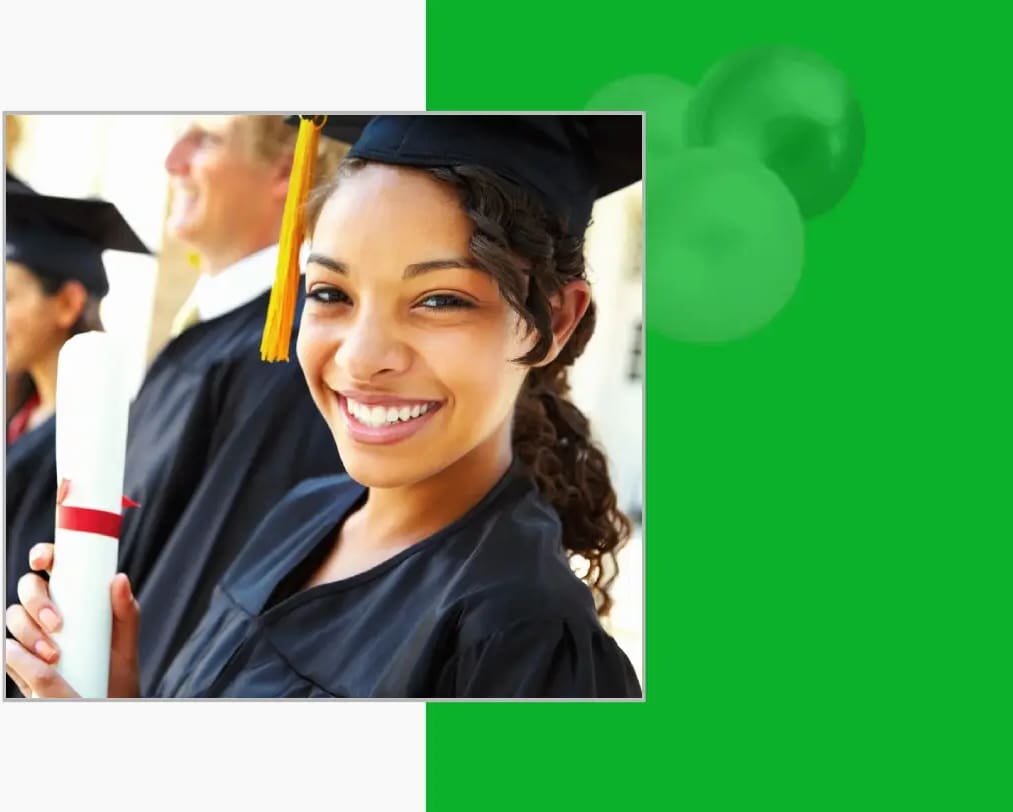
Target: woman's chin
pixel 374 473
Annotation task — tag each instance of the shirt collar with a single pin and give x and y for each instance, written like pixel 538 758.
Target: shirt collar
pixel 237 285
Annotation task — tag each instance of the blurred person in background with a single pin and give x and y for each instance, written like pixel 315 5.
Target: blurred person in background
pixel 54 285
pixel 217 436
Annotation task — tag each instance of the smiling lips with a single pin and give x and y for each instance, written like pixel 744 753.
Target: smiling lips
pixel 376 415
pixel 385 420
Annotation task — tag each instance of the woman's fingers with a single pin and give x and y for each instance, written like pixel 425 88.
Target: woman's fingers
pixel 27 632
pixel 40 557
pixel 38 677
pixel 33 593
pixel 123 673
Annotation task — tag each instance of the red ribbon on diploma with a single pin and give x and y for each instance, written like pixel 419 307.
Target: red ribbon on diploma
pixel 86 520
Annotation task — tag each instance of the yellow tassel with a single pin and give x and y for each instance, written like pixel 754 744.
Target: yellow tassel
pixel 281 310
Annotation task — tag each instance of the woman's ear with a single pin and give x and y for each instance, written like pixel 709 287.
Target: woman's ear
pixel 568 307
pixel 69 303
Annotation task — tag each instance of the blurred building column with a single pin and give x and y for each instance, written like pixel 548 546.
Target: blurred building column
pixel 176 278
pixel 607 379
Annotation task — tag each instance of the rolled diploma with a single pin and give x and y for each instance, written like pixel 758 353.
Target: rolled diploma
pixel 92 404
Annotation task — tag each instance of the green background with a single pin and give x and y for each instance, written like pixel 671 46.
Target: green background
pixel 827 582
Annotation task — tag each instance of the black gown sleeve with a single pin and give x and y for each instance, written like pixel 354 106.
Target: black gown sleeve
pixel 552 659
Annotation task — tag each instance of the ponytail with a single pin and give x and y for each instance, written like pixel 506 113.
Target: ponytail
pixel 552 438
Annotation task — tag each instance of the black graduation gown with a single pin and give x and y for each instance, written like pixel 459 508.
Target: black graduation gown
pixel 217 437
pixel 31 504
pixel 31 499
pixel 488 607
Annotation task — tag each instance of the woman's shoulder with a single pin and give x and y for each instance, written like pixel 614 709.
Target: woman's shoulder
pixel 524 623
pixel 554 656
pixel 34 449
pixel 321 488
pixel 511 567
pixel 308 500
pixel 304 512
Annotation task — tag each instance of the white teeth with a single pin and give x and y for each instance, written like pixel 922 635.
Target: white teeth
pixel 377 416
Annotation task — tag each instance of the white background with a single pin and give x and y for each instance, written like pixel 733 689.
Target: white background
pixel 188 55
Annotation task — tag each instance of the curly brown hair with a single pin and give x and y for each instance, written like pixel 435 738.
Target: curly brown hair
pixel 532 256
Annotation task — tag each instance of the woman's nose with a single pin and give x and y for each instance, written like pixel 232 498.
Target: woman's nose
pixel 372 347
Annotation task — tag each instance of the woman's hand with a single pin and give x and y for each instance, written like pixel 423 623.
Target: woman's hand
pixel 33 654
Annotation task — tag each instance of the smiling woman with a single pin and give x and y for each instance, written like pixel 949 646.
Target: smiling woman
pixel 446 299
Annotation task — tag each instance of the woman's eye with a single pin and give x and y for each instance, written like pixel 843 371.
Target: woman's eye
pixel 328 296
pixel 444 301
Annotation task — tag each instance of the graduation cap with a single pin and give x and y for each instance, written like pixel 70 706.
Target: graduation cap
pixel 568 161
pixel 64 237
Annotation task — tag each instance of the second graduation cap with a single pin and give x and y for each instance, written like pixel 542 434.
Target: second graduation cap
pixel 64 237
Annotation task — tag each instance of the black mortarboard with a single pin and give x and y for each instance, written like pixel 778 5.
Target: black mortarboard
pixel 568 160
pixel 64 237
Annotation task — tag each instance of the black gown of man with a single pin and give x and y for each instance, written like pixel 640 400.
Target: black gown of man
pixel 216 438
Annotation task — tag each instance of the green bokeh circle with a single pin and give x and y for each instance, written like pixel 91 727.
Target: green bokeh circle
pixel 790 109
pixel 725 245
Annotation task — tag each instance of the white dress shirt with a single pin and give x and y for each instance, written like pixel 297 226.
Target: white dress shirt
pixel 239 284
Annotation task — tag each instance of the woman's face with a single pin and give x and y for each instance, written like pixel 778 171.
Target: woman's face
pixel 405 344
pixel 34 323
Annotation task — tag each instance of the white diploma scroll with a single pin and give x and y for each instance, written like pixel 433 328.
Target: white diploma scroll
pixel 92 404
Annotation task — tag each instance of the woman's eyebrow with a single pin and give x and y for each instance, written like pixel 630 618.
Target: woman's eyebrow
pixel 419 268
pixel 327 262
pixel 413 270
